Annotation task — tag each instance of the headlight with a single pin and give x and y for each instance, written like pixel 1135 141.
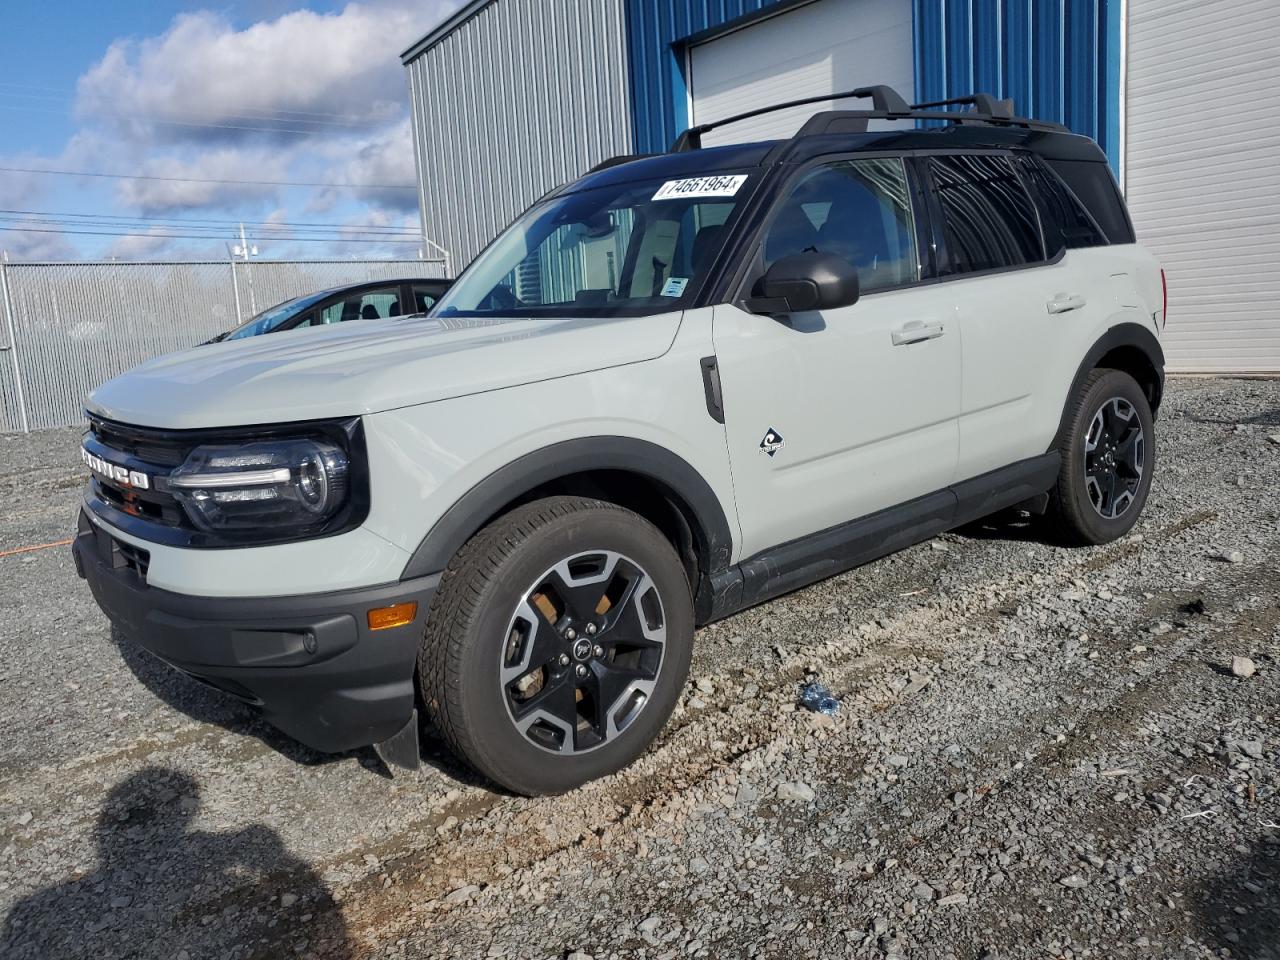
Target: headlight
pixel 273 487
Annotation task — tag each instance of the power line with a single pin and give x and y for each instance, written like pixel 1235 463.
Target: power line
pixel 263 183
pixel 199 236
pixel 314 131
pixel 119 220
pixel 65 96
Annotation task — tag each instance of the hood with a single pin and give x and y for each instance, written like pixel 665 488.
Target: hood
pixel 369 366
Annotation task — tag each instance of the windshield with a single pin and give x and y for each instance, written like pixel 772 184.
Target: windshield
pixel 272 317
pixel 623 250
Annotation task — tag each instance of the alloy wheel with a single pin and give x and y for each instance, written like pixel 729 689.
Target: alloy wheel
pixel 583 652
pixel 1114 457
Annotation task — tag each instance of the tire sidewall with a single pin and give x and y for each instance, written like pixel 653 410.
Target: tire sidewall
pixel 503 752
pixel 1113 384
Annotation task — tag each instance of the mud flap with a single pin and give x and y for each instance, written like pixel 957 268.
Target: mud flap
pixel 401 748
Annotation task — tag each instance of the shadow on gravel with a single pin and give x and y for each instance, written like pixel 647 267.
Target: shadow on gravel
pixel 205 704
pixel 1007 525
pixel 1264 418
pixel 1239 909
pixel 163 889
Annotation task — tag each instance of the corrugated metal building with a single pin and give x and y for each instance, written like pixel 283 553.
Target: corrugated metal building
pixel 512 97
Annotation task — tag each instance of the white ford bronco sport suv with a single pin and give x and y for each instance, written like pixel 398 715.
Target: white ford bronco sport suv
pixel 678 386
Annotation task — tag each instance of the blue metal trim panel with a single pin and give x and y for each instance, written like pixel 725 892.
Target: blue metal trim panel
pixel 657 33
pixel 1058 59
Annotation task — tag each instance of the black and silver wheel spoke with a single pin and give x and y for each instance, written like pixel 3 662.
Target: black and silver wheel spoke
pixel 583 652
pixel 1114 457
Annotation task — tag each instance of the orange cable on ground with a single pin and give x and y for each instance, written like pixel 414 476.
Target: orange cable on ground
pixel 38 546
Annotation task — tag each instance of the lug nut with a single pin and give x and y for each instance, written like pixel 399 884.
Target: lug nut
pixel 564 659
pixel 591 629
pixel 570 634
pixel 582 670
pixel 598 650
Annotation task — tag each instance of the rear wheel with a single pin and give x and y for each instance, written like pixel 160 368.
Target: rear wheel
pixel 1108 455
pixel 557 644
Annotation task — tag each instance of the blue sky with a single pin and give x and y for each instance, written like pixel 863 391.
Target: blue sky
pixel 213 108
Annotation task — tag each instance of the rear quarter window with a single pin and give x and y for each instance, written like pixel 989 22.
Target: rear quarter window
pixel 1064 219
pixel 1093 184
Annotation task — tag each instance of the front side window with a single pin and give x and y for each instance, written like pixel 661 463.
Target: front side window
pixel 369 305
pixel 424 298
pixel 622 250
pixel 856 209
pixel 273 317
pixel 987 215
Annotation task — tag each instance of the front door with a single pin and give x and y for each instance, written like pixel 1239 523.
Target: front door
pixel 833 415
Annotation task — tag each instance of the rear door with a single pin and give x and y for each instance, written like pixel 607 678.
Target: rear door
pixel 1024 310
pixel 834 415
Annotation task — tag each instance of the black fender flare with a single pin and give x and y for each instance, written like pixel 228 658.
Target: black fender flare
pixel 1121 335
pixel 710 526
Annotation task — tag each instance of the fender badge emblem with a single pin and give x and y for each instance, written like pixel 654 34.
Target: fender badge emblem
pixel 772 442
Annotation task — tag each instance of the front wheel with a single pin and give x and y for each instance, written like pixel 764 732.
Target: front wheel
pixel 1108 457
pixel 558 644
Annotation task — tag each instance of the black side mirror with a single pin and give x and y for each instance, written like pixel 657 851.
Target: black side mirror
pixel 806 281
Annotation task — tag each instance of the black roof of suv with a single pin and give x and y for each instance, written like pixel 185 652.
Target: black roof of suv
pixel 992 125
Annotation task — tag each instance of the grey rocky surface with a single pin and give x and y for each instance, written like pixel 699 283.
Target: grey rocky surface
pixel 1039 753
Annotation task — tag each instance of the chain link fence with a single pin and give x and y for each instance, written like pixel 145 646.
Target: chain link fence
pixel 67 327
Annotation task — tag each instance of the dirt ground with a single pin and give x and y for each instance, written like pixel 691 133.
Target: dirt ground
pixel 1039 753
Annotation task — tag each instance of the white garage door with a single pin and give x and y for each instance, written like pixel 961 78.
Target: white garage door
pixel 817 48
pixel 1202 171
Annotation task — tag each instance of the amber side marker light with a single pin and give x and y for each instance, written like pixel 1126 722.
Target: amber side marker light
pixel 396 615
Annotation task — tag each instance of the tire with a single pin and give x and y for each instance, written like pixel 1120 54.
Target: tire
pixel 530 705
pixel 1107 447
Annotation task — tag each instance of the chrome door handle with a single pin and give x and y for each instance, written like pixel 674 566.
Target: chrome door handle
pixel 1063 302
pixel 917 331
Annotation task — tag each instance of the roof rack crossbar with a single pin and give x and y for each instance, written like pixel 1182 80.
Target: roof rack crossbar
pixel 982 103
pixel 886 105
pixel 883 98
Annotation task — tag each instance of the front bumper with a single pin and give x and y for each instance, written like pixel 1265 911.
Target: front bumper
pixel 309 662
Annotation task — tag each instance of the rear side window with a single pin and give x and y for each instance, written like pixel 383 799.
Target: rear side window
pixel 988 217
pixel 1066 222
pixel 1093 184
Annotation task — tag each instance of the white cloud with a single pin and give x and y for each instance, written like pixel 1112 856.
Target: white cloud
pixel 373 163
pixel 297 96
pixel 188 188
pixel 23 246
pixel 310 74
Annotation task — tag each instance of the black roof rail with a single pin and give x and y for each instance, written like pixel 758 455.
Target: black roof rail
pixel 886 104
pixel 619 159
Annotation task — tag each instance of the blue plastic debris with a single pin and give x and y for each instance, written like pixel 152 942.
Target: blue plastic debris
pixel 816 697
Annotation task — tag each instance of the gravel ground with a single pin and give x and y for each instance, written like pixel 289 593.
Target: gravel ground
pixel 1039 753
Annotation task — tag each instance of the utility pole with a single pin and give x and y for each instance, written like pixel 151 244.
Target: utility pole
pixel 245 251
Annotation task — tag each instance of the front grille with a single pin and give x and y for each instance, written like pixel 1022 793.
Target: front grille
pixel 159 448
pixel 152 452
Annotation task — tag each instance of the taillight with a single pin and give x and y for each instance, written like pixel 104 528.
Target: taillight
pixel 1164 307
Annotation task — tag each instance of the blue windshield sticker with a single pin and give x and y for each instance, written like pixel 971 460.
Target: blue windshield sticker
pixel 722 186
pixel 675 286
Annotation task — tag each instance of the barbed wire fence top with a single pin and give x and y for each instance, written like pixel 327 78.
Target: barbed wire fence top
pixel 67 327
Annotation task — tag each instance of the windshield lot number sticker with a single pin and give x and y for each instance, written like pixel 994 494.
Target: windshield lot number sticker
pixel 725 186
pixel 675 286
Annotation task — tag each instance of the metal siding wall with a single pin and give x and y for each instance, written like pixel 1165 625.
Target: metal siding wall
pixel 517 100
pixel 655 31
pixel 75 325
pixel 1057 59
pixel 1202 130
